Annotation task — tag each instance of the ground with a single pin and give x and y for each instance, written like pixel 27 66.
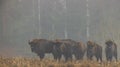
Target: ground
pixel 36 62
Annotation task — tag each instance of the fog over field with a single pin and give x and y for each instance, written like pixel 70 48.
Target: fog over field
pixel 23 20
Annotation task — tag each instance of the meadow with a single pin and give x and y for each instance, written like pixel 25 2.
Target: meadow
pixel 36 62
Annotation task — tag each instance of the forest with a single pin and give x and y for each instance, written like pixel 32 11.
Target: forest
pixel 23 20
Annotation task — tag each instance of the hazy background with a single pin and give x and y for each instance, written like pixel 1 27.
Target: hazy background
pixel 20 22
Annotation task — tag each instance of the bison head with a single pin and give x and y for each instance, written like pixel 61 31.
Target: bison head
pixel 109 43
pixel 90 44
pixel 90 48
pixel 33 44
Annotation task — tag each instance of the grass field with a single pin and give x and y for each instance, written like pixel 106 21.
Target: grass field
pixel 30 62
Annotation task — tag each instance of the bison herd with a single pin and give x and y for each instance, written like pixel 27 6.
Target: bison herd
pixel 69 47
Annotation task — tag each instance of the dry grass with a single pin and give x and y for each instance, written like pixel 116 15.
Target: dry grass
pixel 30 62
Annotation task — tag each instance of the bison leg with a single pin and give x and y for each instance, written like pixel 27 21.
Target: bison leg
pixel 41 56
pixel 68 57
pixel 101 58
pixel 109 56
pixel 90 57
pixel 109 59
pixel 115 55
pixel 57 57
pixel 81 56
pixel 77 56
pixel 97 58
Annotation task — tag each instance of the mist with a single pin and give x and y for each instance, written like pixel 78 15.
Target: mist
pixel 23 20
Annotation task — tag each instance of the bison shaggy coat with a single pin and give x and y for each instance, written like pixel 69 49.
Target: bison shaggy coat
pixel 94 49
pixel 110 50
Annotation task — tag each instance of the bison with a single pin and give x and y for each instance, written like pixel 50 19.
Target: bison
pixel 79 50
pixel 110 50
pixel 42 46
pixel 94 49
pixel 63 48
pixel 70 47
pixel 57 53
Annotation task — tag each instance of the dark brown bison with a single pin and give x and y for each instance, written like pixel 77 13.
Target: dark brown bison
pixel 57 53
pixel 94 49
pixel 63 48
pixel 79 50
pixel 70 47
pixel 41 46
pixel 111 50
